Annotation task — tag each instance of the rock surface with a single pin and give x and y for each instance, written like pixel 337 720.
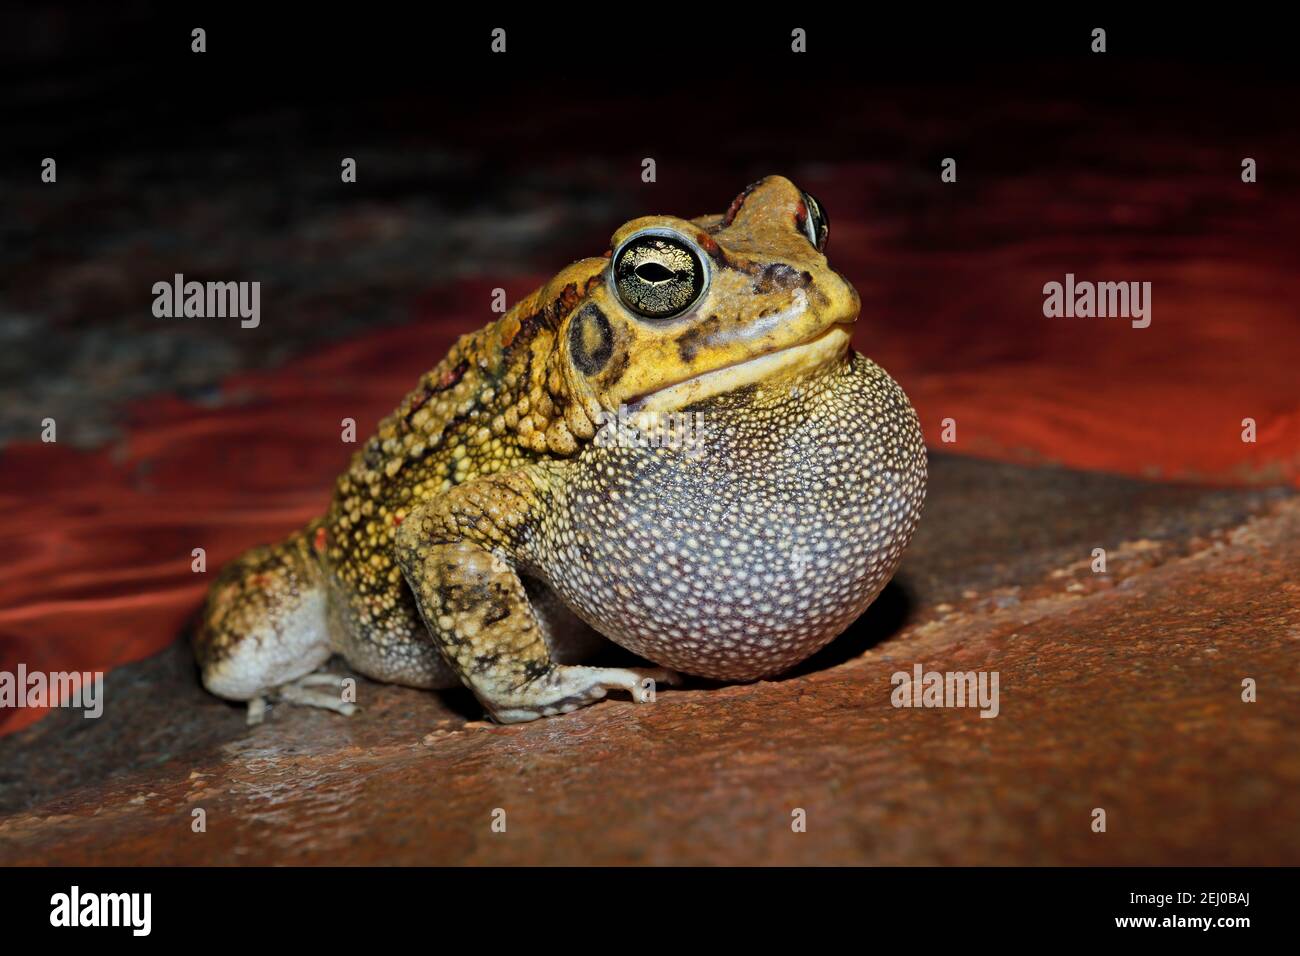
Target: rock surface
pixel 1120 691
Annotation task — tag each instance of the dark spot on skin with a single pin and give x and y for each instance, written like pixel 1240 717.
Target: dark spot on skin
pixel 462 598
pixel 419 402
pixel 527 330
pixel 616 369
pixel 693 339
pixel 563 304
pixel 757 270
pixel 497 611
pixel 535 669
pixel 451 377
pixel 779 277
pixel 549 316
pixel 591 340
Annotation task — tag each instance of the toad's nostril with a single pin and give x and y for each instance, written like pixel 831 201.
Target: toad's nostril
pixel 780 277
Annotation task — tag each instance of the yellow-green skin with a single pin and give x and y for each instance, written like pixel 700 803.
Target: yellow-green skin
pixel 496 517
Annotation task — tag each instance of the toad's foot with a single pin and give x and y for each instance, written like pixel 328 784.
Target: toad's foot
pixel 314 690
pixel 459 556
pixel 264 627
pixel 566 688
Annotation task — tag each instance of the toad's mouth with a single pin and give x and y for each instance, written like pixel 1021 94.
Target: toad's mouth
pixel 827 347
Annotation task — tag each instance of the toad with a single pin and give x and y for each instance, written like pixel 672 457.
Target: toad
pixel 484 536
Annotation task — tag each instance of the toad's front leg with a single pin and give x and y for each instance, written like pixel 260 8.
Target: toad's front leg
pixel 460 556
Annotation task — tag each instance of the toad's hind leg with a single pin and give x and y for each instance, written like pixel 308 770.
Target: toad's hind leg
pixel 459 556
pixel 264 626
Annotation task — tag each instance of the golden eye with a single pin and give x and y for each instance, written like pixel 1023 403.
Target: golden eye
pixel 816 224
pixel 658 275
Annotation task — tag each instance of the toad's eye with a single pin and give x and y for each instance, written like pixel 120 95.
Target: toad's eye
pixel 816 225
pixel 658 275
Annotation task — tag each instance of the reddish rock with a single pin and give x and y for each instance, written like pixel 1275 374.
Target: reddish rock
pixel 1120 692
